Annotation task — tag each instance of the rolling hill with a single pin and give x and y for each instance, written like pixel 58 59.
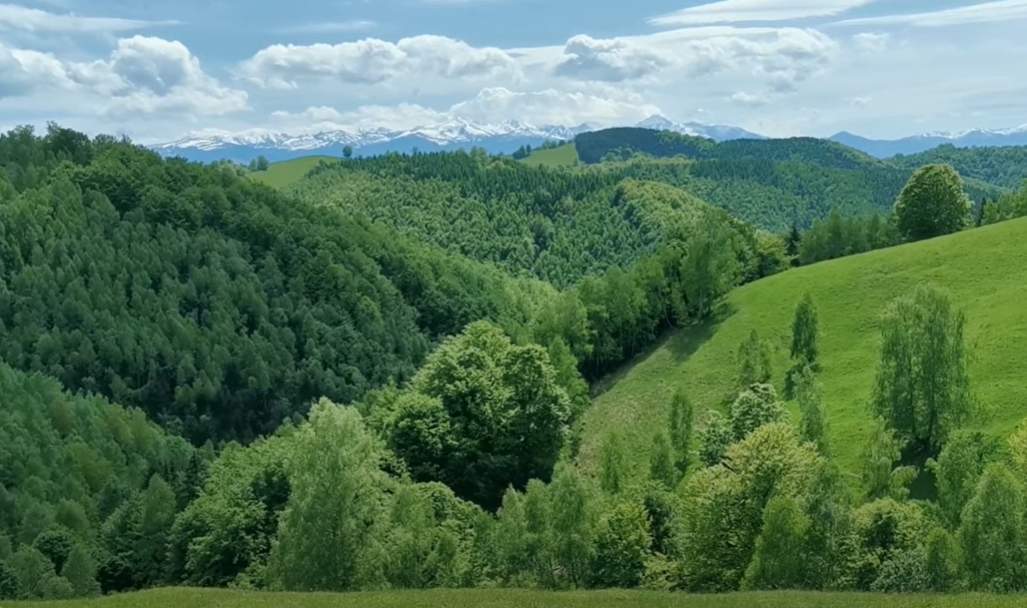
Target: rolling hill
pixel 981 268
pixel 286 173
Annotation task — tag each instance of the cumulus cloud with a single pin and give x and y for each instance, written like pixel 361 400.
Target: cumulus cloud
pixel 737 11
pixel 142 74
pixel 373 61
pixel 586 58
pixel 17 17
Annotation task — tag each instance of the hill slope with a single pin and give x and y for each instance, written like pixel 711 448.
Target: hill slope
pixel 982 269
pixel 286 173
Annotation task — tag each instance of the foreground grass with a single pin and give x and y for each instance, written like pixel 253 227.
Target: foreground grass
pixel 563 156
pixel 286 173
pixel 983 270
pixel 487 598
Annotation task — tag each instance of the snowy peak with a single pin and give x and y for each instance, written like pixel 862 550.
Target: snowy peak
pixel 714 132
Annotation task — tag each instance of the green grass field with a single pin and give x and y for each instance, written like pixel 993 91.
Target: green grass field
pixel 564 156
pixel 284 174
pixel 505 598
pixel 983 269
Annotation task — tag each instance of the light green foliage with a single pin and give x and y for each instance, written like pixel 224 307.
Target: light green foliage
pixel 723 505
pixel 958 469
pixel 286 173
pixel 813 423
pixel 837 236
pixel 933 203
pixel 489 414
pixel 1009 206
pixel 622 547
pixel 612 466
pixel 981 270
pixel 923 389
pixel 992 532
pixel 332 531
pixel 715 435
pixel 754 365
pixel 780 560
pixel 562 156
pixel 805 332
pixel 755 407
pixel 943 561
pixel 1017 450
pixel 680 425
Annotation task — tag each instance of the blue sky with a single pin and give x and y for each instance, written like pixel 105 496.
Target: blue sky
pixel 157 70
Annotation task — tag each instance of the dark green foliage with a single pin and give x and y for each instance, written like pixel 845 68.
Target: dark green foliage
pixel 755 407
pixel 780 560
pixel 922 389
pixel 958 469
pixel 485 414
pixel 1007 207
pixel 837 236
pixel 661 462
pixel 622 546
pixel 80 571
pixel 933 203
pixel 1004 166
pixel 813 423
pixel 219 306
pixel 715 435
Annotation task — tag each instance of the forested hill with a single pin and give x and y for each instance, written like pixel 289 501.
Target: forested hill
pixel 1006 167
pixel 553 224
pixel 219 306
pixel 773 184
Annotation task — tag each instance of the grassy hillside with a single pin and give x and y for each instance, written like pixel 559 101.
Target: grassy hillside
pixel 983 269
pixel 499 598
pixel 564 156
pixel 287 173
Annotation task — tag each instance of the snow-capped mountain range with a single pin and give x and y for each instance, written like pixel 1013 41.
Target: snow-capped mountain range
pixel 504 138
pixel 455 134
pixel 975 138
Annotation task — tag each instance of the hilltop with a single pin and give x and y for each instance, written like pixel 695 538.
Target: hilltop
pixel 982 269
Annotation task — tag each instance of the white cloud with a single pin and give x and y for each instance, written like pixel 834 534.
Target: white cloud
pixel 553 107
pixel 752 100
pixel 738 11
pixel 398 117
pixel 586 58
pixel 34 20
pixel 373 61
pixel 331 27
pixel 871 42
pixel 142 74
pixel 987 12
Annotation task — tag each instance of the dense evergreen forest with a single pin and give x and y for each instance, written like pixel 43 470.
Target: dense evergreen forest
pixel 376 380
pixel 780 183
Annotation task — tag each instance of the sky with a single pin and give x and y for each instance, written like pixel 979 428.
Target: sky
pixel 155 71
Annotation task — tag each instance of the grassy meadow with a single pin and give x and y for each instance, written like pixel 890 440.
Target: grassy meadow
pixel 284 174
pixel 505 598
pixel 983 269
pixel 563 156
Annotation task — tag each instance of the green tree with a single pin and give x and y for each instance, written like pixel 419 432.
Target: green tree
pixel 813 423
pixel 805 333
pixel 80 571
pixel 880 454
pixel 922 389
pixel 933 203
pixel 332 529
pixel 715 436
pixel 753 361
pixel 622 547
pixel 992 533
pixel 495 416
pixel 755 407
pixel 779 561
pixel 958 469
pixel 942 561
pixel 661 462
pixel 613 464
pixel 708 269
pixel 680 427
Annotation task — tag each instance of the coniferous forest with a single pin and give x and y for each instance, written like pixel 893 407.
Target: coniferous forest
pixel 381 376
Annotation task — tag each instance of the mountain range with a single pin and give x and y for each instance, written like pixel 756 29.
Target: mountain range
pixel 504 138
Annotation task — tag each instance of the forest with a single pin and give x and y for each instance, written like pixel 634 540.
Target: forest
pixel 377 378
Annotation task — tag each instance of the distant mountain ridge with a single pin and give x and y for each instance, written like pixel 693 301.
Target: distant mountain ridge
pixel 455 134
pixel 976 138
